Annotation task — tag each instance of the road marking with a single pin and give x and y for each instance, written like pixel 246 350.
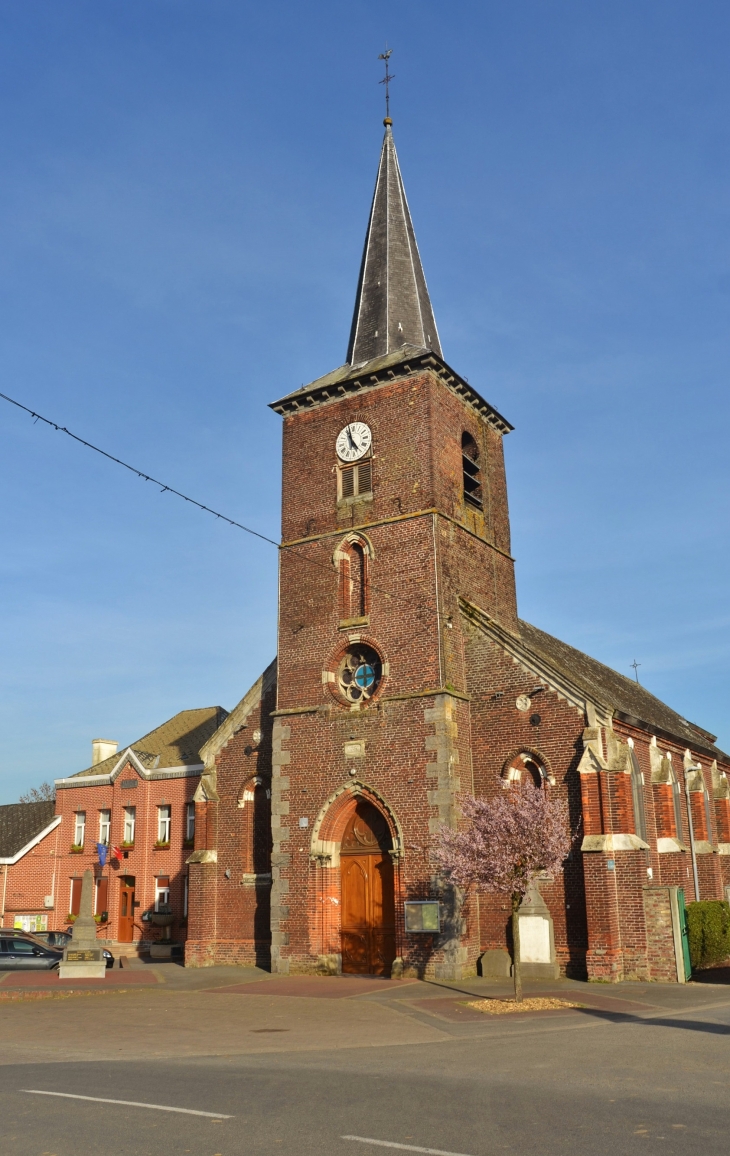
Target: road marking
pixel 130 1104
pixel 406 1147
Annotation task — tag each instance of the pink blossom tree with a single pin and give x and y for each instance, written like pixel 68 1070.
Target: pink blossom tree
pixel 509 840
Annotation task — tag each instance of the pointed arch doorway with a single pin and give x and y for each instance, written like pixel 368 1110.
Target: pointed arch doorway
pixel 368 893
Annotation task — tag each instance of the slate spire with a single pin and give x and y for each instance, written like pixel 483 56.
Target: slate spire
pixel 392 307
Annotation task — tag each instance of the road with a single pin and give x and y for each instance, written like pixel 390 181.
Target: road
pixel 584 1082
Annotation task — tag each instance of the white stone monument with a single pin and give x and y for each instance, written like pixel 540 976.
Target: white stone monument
pixel 537 937
pixel 84 958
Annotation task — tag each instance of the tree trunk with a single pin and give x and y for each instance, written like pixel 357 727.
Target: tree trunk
pixel 516 946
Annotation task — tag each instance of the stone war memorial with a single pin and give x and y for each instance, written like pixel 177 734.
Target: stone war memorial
pixel 405 676
pixel 83 958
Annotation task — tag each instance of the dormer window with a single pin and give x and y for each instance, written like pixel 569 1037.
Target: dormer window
pixel 471 471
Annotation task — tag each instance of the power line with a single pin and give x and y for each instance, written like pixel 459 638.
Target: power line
pixel 140 473
pixel 164 489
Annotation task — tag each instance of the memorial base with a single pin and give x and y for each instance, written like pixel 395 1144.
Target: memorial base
pixel 90 970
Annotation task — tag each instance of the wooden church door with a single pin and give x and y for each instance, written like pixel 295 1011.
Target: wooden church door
pixel 368 898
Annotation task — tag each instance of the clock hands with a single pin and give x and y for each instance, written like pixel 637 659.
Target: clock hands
pixel 355 445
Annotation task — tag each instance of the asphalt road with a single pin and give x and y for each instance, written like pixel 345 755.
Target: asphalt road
pixel 580 1085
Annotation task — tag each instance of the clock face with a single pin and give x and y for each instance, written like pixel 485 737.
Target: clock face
pixel 353 441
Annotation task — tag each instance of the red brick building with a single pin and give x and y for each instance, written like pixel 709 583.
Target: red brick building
pixel 404 676
pixel 29 842
pixel 138 804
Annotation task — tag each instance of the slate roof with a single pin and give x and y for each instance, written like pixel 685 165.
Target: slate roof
pixel 349 379
pixel 632 702
pixel 392 306
pixel 176 743
pixel 21 822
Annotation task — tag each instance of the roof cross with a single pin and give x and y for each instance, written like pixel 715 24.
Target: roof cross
pixel 386 81
pixel 636 666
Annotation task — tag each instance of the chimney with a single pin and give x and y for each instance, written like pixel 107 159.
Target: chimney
pixel 102 749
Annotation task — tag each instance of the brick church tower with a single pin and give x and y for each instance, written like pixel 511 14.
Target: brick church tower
pixel 404 677
pixel 394 507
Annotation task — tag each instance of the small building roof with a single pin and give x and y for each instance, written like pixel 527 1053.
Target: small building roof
pixel 176 743
pixel 20 823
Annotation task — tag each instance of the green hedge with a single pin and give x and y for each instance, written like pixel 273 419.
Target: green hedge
pixel 709 932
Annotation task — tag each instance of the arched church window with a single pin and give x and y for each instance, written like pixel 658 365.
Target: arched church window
pixel 471 470
pixel 637 797
pixel 359 673
pixel 708 814
pixel 677 801
pixel 255 800
pixel 526 770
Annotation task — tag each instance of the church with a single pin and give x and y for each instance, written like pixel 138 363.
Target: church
pixel 405 677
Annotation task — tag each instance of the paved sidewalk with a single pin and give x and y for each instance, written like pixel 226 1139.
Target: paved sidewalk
pixel 179 1013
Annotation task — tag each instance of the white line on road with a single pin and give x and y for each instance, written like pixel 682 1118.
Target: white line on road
pixel 130 1104
pixel 407 1147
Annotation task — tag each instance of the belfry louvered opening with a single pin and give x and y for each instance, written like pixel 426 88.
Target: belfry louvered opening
pixel 356 480
pixel 472 472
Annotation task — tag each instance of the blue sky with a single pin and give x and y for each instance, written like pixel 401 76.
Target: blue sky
pixel 184 199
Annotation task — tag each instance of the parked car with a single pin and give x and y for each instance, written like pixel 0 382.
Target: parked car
pixel 22 952
pixel 62 939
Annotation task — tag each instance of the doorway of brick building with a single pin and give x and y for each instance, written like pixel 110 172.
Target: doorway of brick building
pixel 368 897
pixel 125 930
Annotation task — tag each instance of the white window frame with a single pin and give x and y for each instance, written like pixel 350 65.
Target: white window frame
pixel 79 828
pixel 162 894
pixel 164 822
pixel 189 822
pixel 130 822
pixel 105 825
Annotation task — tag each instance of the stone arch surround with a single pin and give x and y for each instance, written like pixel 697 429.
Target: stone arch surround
pixel 327 833
pixel 329 826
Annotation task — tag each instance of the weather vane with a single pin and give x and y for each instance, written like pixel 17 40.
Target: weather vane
pixel 636 666
pixel 386 81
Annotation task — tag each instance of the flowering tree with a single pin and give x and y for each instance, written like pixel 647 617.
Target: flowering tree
pixel 508 842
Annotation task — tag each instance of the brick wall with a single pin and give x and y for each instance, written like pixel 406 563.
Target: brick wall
pixel 143 862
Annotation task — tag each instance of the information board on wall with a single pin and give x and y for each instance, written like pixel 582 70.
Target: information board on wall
pixel 30 923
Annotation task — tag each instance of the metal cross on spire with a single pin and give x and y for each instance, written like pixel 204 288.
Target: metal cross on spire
pixel 636 666
pixel 386 81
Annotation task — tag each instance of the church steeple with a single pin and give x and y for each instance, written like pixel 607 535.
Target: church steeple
pixel 392 307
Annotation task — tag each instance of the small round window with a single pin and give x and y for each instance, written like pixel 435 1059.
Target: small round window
pixel 359 673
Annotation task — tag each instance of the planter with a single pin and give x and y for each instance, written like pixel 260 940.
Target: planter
pixel 161 919
pixel 162 847
pixel 165 950
pixel 76 850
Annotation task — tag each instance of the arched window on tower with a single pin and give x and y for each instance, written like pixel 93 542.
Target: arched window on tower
pixel 353 562
pixel 472 472
pixel 357 581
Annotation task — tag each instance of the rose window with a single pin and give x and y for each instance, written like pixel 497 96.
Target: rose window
pixel 359 673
